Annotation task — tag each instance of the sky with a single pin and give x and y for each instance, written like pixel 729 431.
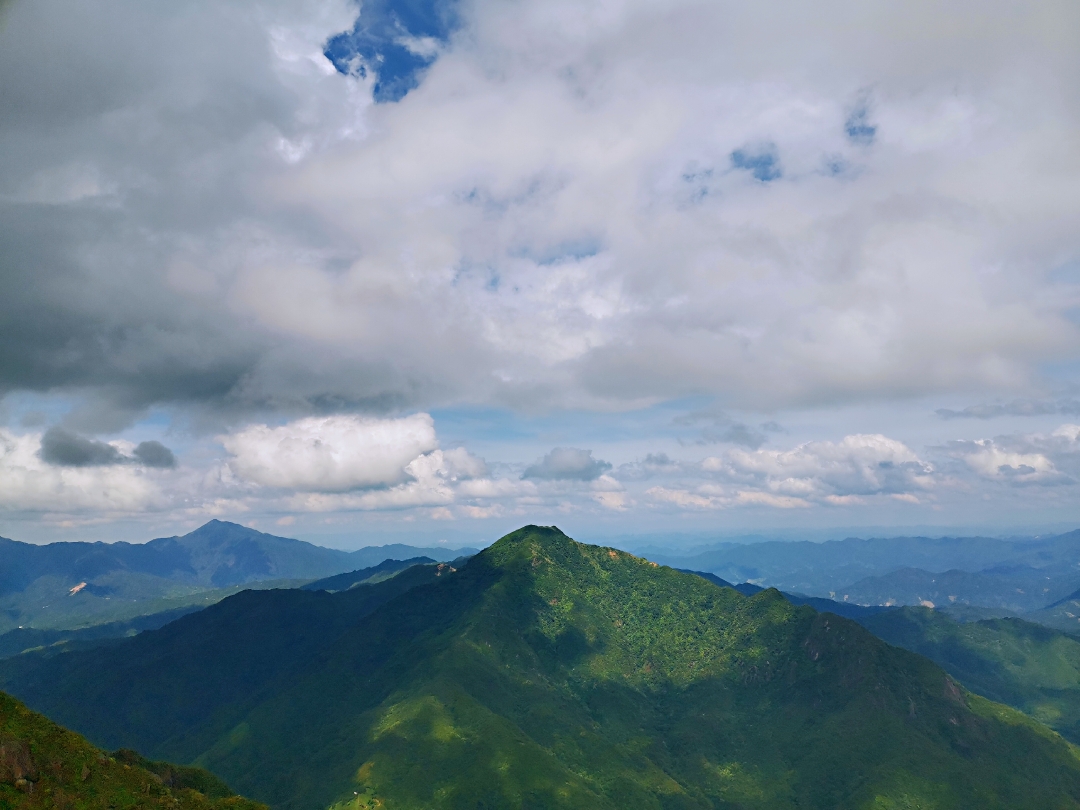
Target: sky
pixel 435 269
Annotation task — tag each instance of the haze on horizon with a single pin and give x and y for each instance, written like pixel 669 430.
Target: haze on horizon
pixel 446 268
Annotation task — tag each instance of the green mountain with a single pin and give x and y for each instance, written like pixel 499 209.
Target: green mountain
pixel 550 674
pixel 45 766
pixel 376 573
pixel 1033 668
pixel 172 692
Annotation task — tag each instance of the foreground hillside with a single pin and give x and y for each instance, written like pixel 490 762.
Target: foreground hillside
pixel 549 674
pixel 45 766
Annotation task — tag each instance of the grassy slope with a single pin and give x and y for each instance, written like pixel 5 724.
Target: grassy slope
pixel 45 766
pixel 549 674
pixel 1028 666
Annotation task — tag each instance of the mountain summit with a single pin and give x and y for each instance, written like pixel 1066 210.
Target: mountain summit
pixel 551 674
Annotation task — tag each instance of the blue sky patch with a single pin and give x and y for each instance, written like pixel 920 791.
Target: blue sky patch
pixel 761 161
pixel 858 126
pixel 396 40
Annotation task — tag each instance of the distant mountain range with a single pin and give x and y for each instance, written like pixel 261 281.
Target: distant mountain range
pixel 549 674
pixel 1017 576
pixel 71 585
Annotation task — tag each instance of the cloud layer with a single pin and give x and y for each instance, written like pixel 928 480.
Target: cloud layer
pixel 579 205
pixel 284 262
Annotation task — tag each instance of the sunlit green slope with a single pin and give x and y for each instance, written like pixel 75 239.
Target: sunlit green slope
pixel 549 674
pixel 45 766
pixel 1028 666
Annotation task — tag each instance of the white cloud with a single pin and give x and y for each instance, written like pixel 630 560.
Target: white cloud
pixel 856 465
pixel 201 215
pixel 1024 459
pixel 840 474
pixel 553 217
pixel 333 453
pixel 28 484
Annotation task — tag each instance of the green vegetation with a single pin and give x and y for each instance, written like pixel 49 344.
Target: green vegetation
pixel 45 766
pixel 550 674
pixel 171 692
pixel 366 576
pixel 1025 665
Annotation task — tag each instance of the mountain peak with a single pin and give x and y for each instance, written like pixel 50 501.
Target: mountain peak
pixel 539 547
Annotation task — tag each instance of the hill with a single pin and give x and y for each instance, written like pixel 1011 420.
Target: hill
pixel 1033 668
pixel 172 691
pixel 550 674
pixel 64 586
pixel 376 573
pixel 45 766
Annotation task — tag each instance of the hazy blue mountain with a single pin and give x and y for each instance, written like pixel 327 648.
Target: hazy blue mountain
pixel 1021 574
pixel 1018 588
pixel 116 582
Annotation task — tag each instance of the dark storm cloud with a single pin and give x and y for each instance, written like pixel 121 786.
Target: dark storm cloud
pixel 155 454
pixel 62 448
pixel 567 464
pixel 65 449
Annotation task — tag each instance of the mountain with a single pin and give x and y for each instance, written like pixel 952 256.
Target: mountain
pixel 823 568
pixel 63 586
pixel 820 604
pixel 45 766
pixel 1025 665
pixel 376 573
pixel 1017 588
pixel 170 692
pixel 1064 614
pixel 55 641
pixel 550 674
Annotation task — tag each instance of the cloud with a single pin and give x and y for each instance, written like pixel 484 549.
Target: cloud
pixel 1024 459
pixel 65 449
pixel 155 454
pixel 1018 407
pixel 567 464
pixel 30 484
pixel 858 465
pixel 331 454
pixel 282 245
pixel 217 217
pixel 713 497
